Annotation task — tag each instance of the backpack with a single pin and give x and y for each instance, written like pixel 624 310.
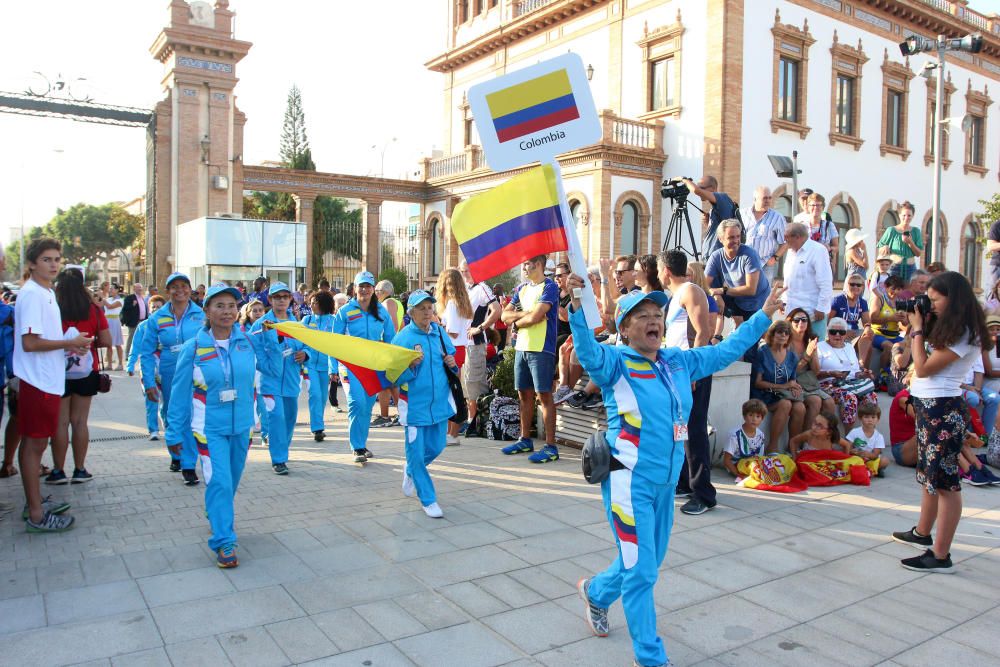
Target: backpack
pixel 482 417
pixel 505 419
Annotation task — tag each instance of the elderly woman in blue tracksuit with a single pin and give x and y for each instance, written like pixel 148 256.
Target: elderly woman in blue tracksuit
pixel 169 329
pixel 213 397
pixel 361 317
pixel 152 407
pixel 280 364
pixel 647 394
pixel 320 319
pixel 425 400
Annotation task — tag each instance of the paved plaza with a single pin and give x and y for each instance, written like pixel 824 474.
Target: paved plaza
pixel 338 568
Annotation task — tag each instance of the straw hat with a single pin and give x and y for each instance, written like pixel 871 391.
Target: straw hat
pixel 854 237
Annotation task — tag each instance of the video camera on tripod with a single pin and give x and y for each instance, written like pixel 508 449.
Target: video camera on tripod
pixel 676 190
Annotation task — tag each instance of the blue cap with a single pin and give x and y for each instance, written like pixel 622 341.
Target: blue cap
pixel 177 276
pixel 633 299
pixel 278 287
pixel 364 277
pixel 417 297
pixel 222 288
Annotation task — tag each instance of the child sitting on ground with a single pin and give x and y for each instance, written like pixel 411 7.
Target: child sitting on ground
pixel 824 434
pixel 868 443
pixel 747 441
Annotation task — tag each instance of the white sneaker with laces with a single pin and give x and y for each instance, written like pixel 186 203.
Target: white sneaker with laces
pixel 154 436
pixel 433 511
pixel 452 440
pixel 408 487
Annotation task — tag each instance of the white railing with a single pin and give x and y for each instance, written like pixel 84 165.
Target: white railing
pixel 523 7
pixel 631 133
pixel 965 14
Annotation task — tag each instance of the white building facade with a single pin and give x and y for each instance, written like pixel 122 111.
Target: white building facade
pixel 714 87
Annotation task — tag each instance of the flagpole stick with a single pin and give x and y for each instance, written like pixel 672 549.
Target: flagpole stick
pixel 577 262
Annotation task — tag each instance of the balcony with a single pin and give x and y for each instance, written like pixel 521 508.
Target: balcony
pixel 642 137
pixel 988 24
pixel 522 7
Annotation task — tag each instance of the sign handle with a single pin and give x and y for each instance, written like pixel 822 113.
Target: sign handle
pixel 577 262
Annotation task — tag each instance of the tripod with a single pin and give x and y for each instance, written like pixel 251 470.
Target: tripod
pixel 676 232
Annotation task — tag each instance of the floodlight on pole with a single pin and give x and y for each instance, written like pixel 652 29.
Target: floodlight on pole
pixel 788 167
pixel 916 44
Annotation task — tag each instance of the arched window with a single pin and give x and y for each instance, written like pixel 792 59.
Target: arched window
pixel 437 248
pixel 841 216
pixel 889 219
pixel 783 205
pixel 574 210
pixel 630 228
pixel 970 253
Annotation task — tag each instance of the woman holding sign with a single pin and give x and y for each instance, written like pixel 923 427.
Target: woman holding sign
pixel 213 397
pixel 647 393
pixel 362 317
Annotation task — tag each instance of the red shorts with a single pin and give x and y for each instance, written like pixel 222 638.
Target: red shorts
pixel 460 355
pixel 37 412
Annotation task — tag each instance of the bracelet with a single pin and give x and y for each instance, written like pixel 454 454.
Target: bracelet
pixel 604 281
pixel 918 332
pixel 717 337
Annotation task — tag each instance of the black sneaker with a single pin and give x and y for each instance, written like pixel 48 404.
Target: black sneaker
pixel 577 399
pixel 928 562
pixel 81 476
pixel 592 401
pixel 368 453
pixel 695 506
pixel 175 465
pixel 190 477
pixel 359 456
pixel 913 538
pixel 57 476
pixel 280 469
pixel 319 436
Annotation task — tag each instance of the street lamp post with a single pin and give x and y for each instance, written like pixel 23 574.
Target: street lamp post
pixel 381 168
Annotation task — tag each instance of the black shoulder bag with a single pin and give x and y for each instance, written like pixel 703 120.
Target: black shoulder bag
pixel 455 385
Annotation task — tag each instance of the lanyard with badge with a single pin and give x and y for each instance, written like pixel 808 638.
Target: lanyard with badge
pixel 680 426
pixel 178 332
pixel 228 394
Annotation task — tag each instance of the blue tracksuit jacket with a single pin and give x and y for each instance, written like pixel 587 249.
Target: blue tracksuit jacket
pixel 279 372
pixel 424 397
pixel 166 334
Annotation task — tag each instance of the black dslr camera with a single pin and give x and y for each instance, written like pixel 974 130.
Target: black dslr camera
pixel 918 304
pixel 675 190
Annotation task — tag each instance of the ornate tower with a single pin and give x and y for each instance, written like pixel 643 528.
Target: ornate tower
pixel 197 154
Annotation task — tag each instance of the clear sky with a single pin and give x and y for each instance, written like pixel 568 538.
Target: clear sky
pixel 359 66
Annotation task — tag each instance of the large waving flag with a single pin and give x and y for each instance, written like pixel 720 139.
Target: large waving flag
pixel 376 365
pixel 515 221
pixel 532 106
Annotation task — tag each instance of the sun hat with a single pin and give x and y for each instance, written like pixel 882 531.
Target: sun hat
pixel 633 299
pixel 222 288
pixel 278 287
pixel 177 276
pixel 364 277
pixel 854 237
pixel 417 297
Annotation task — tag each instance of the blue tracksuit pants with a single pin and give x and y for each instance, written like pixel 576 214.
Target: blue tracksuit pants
pixel 641 514
pixel 359 414
pixel 222 465
pixel 189 449
pixel 423 445
pixel 261 415
pixel 282 411
pixel 152 416
pixel 319 383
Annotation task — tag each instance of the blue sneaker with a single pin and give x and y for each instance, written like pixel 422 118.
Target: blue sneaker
pixel 225 556
pixel 463 428
pixel 545 454
pixel 522 446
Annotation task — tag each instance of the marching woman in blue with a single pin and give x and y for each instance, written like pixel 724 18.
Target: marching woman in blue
pixel 647 394
pixel 169 329
pixel 321 319
pixel 279 375
pixel 425 400
pixel 152 407
pixel 361 317
pixel 213 397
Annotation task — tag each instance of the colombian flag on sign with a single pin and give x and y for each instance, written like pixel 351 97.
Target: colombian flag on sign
pixel 376 365
pixel 511 223
pixel 533 105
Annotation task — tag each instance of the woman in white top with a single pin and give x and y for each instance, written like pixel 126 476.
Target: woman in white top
pixel 455 310
pixel 955 332
pixel 840 374
pixel 112 309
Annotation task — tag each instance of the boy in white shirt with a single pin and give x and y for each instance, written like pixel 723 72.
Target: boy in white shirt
pixel 40 367
pixel 867 442
pixel 746 441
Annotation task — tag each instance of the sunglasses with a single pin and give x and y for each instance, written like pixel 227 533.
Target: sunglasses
pixel 858 285
pixel 800 319
pixel 837 332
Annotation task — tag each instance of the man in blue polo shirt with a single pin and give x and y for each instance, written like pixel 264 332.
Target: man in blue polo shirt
pixel 735 273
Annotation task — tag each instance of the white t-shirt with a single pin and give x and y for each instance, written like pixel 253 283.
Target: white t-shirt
pixel 456 324
pixel 977 367
pixel 837 358
pixel 740 446
pixel 859 440
pixel 36 312
pixel 944 383
pixel 676 334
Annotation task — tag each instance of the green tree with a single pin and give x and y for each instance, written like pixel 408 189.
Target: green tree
pixel 397 277
pixel 991 209
pixel 13 253
pixel 294 142
pixel 88 232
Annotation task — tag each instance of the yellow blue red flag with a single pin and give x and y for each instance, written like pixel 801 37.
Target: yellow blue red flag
pixel 513 222
pixel 531 106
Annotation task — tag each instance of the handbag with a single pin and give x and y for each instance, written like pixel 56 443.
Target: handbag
pixel 455 385
pixel 860 386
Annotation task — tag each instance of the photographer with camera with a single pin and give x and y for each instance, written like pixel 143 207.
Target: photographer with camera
pixel 954 328
pixel 722 208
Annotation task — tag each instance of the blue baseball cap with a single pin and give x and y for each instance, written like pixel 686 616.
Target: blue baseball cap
pixel 417 297
pixel 278 287
pixel 364 277
pixel 222 288
pixel 177 276
pixel 633 299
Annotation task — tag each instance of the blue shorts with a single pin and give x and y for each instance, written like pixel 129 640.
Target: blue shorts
pixel 897 453
pixel 879 339
pixel 534 370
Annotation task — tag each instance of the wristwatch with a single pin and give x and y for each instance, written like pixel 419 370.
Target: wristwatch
pixel 725 290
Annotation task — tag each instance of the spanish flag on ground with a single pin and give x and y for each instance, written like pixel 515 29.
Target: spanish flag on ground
pixel 376 365
pixel 515 221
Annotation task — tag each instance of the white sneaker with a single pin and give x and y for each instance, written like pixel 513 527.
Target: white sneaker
pixel 452 440
pixel 154 436
pixel 433 511
pixel 408 487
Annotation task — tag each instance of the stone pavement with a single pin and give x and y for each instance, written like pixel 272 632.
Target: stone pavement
pixel 337 567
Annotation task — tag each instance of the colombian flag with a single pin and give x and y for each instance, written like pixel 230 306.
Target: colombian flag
pixel 376 365
pixel 532 106
pixel 510 223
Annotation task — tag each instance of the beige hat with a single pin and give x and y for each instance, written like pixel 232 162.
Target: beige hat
pixel 993 319
pixel 854 237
